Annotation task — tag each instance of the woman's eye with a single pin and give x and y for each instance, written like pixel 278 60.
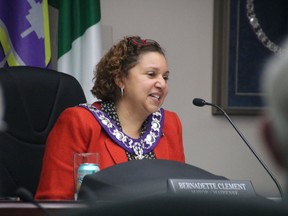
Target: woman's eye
pixel 151 74
pixel 166 77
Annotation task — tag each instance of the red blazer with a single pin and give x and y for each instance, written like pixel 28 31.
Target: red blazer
pixel 76 130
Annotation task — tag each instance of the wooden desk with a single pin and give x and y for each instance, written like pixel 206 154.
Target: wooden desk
pixel 15 208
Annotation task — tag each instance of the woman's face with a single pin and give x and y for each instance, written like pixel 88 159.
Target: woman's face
pixel 145 87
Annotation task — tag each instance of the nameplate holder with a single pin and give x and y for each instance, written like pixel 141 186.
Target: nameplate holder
pixel 233 188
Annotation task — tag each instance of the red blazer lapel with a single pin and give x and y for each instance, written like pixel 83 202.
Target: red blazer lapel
pixel 161 150
pixel 117 154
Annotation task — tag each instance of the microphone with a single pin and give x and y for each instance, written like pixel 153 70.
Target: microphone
pixel 26 196
pixel 200 102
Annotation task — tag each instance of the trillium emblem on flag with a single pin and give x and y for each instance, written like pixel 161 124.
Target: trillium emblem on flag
pixel 24 33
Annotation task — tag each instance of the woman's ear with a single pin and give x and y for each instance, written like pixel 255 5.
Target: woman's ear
pixel 119 82
pixel 271 141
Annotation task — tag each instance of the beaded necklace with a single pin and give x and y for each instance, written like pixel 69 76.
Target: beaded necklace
pixel 140 147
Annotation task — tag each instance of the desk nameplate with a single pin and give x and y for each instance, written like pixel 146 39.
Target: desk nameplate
pixel 235 188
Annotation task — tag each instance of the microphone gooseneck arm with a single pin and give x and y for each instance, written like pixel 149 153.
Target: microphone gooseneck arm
pixel 26 196
pixel 200 102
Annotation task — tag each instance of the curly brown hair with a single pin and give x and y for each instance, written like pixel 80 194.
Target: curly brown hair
pixel 117 62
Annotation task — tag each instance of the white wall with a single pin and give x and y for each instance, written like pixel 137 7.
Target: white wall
pixel 185 29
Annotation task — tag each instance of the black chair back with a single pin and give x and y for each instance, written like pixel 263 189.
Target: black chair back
pixel 33 99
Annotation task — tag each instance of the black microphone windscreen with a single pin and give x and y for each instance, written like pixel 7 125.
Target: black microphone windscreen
pixel 24 194
pixel 199 102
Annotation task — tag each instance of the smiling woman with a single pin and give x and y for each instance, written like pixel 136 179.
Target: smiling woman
pixel 127 123
pixel 145 87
